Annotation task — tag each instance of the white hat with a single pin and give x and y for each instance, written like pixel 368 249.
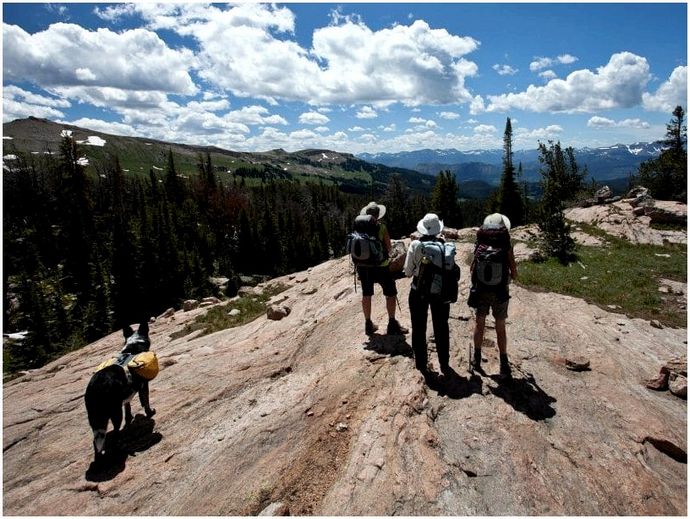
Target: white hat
pixel 430 225
pixel 497 219
pixel 374 209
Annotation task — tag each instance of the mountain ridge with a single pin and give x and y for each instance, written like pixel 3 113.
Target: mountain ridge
pixel 604 163
pixel 138 155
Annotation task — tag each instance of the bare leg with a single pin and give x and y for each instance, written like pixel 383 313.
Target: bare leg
pixel 366 306
pixel 479 331
pixel 390 306
pixel 501 335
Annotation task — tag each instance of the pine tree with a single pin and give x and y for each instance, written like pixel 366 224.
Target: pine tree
pixel 666 176
pixel 444 199
pixel 509 197
pixel 398 219
pixel 556 239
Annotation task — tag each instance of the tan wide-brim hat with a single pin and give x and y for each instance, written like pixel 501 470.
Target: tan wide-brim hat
pixel 374 209
pixel 430 225
pixel 497 219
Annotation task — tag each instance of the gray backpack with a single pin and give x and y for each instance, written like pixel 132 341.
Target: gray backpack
pixel 438 276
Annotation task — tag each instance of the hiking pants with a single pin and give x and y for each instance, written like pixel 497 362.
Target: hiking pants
pixel 419 311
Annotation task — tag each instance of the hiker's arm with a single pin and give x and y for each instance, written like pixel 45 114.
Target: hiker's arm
pixel 387 241
pixel 512 264
pixel 410 260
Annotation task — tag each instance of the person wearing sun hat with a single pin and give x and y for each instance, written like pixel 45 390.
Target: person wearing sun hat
pixel 381 274
pixel 493 241
pixel 430 226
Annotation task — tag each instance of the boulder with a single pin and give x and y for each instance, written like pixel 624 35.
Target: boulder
pixel 397 256
pixel 210 300
pixel 603 193
pixel 577 364
pixel 168 313
pixel 678 385
pixel 234 312
pixel 277 312
pixel 637 191
pixel 220 283
pixel 275 509
pixel 190 304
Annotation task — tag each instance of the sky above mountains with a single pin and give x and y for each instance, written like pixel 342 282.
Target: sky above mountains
pixel 350 77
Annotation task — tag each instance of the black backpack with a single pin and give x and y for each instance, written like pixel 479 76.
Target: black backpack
pixel 439 275
pixel 363 244
pixel 491 257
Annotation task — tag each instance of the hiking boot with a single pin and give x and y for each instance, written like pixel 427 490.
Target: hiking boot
pixel 446 369
pixel 369 327
pixel 477 360
pixel 505 371
pixel 395 328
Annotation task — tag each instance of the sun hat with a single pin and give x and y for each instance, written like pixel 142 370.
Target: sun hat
pixel 374 209
pixel 430 225
pixel 497 219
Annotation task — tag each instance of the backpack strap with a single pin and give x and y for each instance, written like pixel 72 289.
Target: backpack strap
pixel 122 361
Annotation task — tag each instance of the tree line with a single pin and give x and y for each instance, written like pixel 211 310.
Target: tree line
pixel 85 254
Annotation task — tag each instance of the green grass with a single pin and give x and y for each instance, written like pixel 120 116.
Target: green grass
pixel 619 273
pixel 218 318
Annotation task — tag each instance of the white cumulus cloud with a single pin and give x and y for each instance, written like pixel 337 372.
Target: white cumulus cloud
pixel 505 70
pixel 250 50
pixel 366 112
pixel 449 115
pixel 315 118
pixel 67 55
pixel 541 63
pixel 19 104
pixel 485 129
pixel 603 122
pixel 618 84
pixel 670 94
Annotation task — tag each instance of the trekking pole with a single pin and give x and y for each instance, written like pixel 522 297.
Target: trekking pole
pixel 398 301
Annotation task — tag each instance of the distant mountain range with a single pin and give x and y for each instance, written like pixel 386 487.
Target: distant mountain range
pixel 605 163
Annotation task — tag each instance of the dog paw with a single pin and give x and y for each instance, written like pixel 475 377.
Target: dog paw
pixel 150 412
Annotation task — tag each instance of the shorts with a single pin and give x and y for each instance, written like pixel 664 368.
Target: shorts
pixel 490 300
pixel 381 275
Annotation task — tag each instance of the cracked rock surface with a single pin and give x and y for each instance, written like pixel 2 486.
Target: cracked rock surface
pixel 310 416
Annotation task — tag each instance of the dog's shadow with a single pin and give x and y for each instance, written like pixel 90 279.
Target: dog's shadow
pixel 136 437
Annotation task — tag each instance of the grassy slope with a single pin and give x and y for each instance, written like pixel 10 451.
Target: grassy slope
pixel 620 274
pixel 138 156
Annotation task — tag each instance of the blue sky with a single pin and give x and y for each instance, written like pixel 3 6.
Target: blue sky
pixel 359 77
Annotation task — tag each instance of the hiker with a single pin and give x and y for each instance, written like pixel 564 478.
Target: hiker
pixel 492 269
pixel 420 299
pixel 379 272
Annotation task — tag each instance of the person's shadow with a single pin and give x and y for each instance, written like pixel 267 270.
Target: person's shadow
pixel 452 385
pixel 525 396
pixel 392 345
pixel 138 436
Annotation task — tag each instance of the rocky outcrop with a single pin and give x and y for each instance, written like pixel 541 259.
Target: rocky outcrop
pixel 307 415
pixel 672 377
pixel 618 219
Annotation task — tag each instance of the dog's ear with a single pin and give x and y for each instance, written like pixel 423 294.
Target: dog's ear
pixel 127 331
pixel 143 329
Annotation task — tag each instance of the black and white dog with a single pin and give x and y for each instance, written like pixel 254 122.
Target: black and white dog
pixel 115 385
